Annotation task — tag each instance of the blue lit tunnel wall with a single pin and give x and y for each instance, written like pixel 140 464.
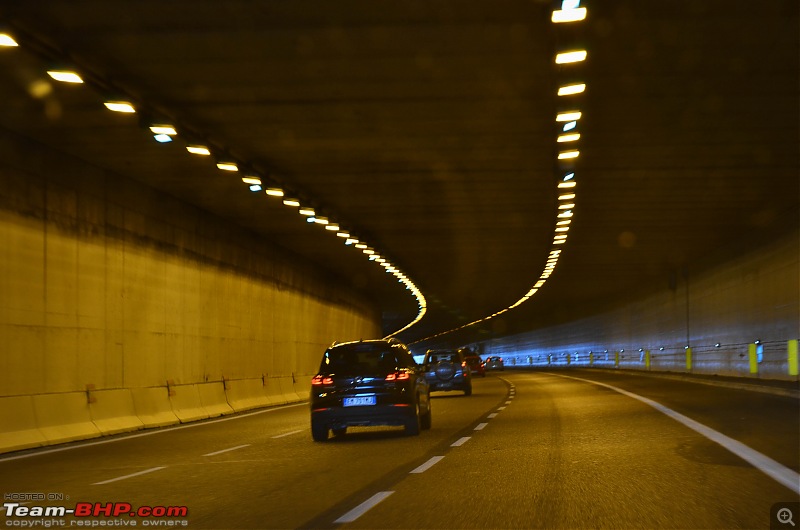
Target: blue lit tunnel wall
pixel 741 318
pixel 121 307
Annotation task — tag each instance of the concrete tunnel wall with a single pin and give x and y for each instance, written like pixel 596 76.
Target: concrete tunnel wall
pixel 123 308
pixel 753 296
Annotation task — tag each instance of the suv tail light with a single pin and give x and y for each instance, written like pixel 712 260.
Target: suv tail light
pixel 319 380
pixel 397 376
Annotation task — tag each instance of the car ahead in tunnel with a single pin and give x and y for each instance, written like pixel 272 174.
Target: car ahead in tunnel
pixel 493 363
pixel 475 365
pixel 448 370
pixel 368 383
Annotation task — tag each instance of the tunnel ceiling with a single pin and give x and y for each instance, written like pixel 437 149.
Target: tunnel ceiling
pixel 427 128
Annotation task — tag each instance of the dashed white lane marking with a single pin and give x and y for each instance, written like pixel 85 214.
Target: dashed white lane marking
pixel 501 408
pixel 492 415
pixel 763 463
pixel 129 476
pixel 427 465
pixel 480 426
pixel 363 508
pixel 226 450
pixel 508 402
pixel 287 434
pixel 460 441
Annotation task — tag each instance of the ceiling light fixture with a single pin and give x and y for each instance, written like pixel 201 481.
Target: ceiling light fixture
pixel 65 76
pixel 275 192
pixel 169 130
pixel 120 106
pixel 571 57
pixel 568 137
pixel 568 15
pixel 571 115
pixel 228 166
pixel 291 202
pixel 7 40
pixel 198 150
pixel 569 90
pixel 251 180
pixel 565 155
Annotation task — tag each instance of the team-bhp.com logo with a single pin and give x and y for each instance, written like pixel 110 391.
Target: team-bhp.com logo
pixel 94 514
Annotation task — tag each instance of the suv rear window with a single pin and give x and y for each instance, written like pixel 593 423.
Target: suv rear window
pixel 444 356
pixel 355 359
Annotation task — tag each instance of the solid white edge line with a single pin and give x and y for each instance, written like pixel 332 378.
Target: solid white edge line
pixel 480 426
pixel 363 508
pixel 129 476
pixel 427 465
pixel 286 434
pixel 149 433
pixel 226 450
pixel 775 470
pixel 460 441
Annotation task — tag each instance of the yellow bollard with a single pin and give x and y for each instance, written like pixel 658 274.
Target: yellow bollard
pixel 616 359
pixel 647 359
pixel 792 347
pixel 591 359
pixel 751 350
pixel 688 359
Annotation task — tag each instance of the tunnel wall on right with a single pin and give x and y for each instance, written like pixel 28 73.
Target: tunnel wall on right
pixel 741 318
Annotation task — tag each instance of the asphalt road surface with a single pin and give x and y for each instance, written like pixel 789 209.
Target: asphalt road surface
pixel 529 449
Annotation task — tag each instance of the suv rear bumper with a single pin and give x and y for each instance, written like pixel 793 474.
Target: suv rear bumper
pixel 397 414
pixel 460 384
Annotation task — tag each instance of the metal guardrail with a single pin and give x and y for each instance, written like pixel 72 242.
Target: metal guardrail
pixel 775 359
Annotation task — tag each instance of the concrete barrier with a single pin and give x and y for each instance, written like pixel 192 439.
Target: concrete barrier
pixel 286 385
pixel 246 394
pixel 213 399
pixel 153 407
pixel 186 403
pixel 273 391
pixel 302 387
pixel 64 417
pixel 19 424
pixel 112 411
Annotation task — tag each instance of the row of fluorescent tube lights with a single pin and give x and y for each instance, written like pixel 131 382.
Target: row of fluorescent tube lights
pixel 164 133
pixel 570 12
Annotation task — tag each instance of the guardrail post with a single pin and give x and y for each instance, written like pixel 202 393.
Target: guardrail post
pixel 751 350
pixel 792 349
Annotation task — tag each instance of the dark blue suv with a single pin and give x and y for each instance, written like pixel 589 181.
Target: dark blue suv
pixel 366 383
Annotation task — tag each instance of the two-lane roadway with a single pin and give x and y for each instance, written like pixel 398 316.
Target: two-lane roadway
pixel 529 449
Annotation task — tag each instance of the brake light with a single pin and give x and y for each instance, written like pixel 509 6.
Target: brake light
pixel 398 376
pixel 463 364
pixel 319 380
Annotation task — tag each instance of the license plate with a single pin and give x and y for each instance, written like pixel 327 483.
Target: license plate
pixel 359 401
